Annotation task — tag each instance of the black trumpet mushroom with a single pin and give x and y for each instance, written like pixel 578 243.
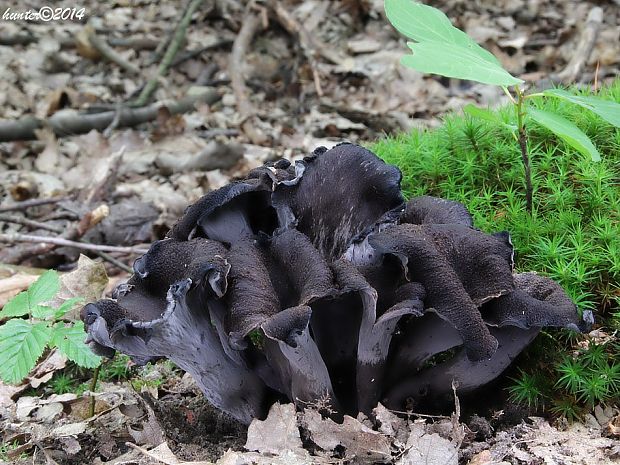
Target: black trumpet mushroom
pixel 317 282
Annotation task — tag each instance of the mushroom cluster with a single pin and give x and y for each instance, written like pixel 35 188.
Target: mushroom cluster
pixel 317 282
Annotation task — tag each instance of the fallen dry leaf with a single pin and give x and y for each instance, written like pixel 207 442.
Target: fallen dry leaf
pixel 87 281
pixel 46 368
pixel 163 454
pixel 429 449
pixel 13 285
pixel 7 392
pixel 277 433
pixel 360 443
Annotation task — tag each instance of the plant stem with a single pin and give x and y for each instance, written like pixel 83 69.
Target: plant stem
pixel 171 52
pixel 507 92
pixel 93 386
pixel 520 108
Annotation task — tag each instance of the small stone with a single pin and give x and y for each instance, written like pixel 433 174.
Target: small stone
pixel 610 412
pixel 591 422
pixel 48 413
pixel 600 416
pixel 228 100
pixel 507 22
pixel 363 46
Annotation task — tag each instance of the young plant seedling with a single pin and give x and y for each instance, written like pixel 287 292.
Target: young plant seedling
pixel 34 326
pixel 440 48
pixel 573 235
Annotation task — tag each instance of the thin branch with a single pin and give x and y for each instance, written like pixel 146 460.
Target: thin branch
pixel 107 132
pixel 172 50
pixel 45 244
pixel 110 259
pixel 582 52
pixel 54 229
pixel 81 123
pixel 308 45
pixel 31 203
pixel 135 43
pixel 194 53
pixel 26 38
pixel 30 223
pixel 60 242
pixel 109 53
pixel 164 44
pixel 421 415
pixel 247 112
pixel 240 46
pixel 313 44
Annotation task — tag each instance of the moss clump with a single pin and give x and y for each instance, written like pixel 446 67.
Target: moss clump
pixel 573 235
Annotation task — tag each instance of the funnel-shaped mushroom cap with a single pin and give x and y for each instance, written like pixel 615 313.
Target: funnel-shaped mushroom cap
pixel 316 282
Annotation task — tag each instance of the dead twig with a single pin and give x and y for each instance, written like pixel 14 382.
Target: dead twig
pixel 194 53
pixel 28 37
pixel 45 244
pixel 63 124
pixel 107 132
pixel 60 242
pixel 420 415
pixel 308 45
pixel 574 68
pixel 136 43
pixel 60 215
pixel 312 45
pixel 110 259
pixel 39 225
pixel 109 53
pixel 31 203
pixel 247 112
pixel 458 432
pixel 30 223
pixel 171 51
pixel 49 460
pixel 164 44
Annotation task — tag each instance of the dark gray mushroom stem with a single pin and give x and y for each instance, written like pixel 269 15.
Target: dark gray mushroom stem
pixel 316 282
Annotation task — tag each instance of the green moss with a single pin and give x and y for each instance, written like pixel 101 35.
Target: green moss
pixel 257 338
pixel 117 369
pixel 573 235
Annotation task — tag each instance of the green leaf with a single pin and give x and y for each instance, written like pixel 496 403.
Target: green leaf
pixel 66 306
pixel 42 311
pixel 565 130
pixel 25 303
pixel 21 345
pixel 442 49
pixel 70 341
pixel 44 288
pixel 606 109
pixel 487 115
pixel 424 23
pixel 17 306
pixel 456 62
